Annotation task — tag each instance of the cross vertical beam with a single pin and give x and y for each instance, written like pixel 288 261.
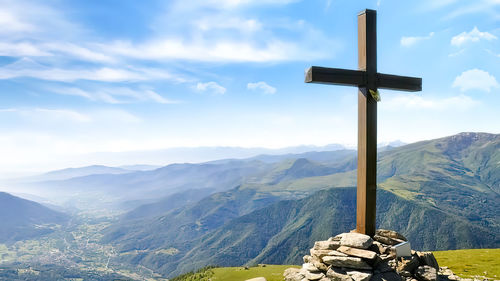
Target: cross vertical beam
pixel 367 125
pixel 366 79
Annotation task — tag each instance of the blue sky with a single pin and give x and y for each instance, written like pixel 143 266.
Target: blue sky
pixel 78 77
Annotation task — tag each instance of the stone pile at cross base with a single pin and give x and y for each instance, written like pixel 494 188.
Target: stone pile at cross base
pixel 358 257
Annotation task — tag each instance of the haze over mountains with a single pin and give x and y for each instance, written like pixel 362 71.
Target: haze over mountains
pixel 441 194
pixel 22 219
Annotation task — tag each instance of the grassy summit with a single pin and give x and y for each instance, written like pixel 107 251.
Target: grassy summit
pixel 464 263
pixel 471 262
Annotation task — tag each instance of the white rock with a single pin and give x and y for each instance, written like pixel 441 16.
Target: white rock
pixel 426 273
pixel 360 275
pixel 310 267
pixel 257 279
pixel 356 240
pixel 349 262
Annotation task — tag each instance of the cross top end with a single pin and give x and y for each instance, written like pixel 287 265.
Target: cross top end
pixel 367 11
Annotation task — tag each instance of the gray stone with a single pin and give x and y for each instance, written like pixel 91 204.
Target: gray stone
pixel 409 264
pixel 390 234
pixel 307 258
pixel 426 273
pixel 337 237
pixel 360 275
pixel 357 252
pixel 257 279
pixel 318 263
pixel 378 247
pixel 314 276
pixel 427 258
pixel 310 267
pixel 349 262
pixel 337 253
pixel 338 274
pixel 326 245
pixel 319 253
pixel 453 277
pixel 387 240
pixel 293 274
pixel 356 240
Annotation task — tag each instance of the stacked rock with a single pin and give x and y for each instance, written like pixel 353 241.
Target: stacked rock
pixel 358 257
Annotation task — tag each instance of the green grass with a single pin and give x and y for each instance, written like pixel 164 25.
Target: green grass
pixel 464 263
pixel 469 263
pixel 270 272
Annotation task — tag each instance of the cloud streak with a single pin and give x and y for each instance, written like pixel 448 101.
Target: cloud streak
pixel 416 102
pixel 115 95
pixel 473 36
pixel 408 41
pixel 262 87
pixel 212 87
pixel 27 67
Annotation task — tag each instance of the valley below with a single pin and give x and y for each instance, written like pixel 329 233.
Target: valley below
pixel 104 223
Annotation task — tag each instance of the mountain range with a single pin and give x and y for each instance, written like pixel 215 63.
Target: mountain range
pixel 22 219
pixel 441 194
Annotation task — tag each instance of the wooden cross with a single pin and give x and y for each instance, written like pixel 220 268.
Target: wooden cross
pixel 366 78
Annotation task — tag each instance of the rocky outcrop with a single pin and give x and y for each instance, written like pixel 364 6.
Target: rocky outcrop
pixel 358 257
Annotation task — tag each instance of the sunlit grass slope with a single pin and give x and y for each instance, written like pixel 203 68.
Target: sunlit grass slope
pixel 469 263
pixel 464 263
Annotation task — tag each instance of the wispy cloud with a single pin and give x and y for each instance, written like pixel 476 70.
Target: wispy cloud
pixel 473 36
pixel 49 114
pixel 27 67
pixel 115 95
pixel 408 41
pixel 417 102
pixel 226 50
pixel 475 79
pixel 487 7
pixel 212 87
pixel 262 87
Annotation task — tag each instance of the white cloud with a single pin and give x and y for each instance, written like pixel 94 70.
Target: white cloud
pixel 456 53
pixel 212 87
pixel 27 67
pixel 77 52
pixel 473 36
pixel 21 49
pixel 493 53
pixel 11 22
pixel 475 79
pixel 208 50
pixel 417 102
pixel 115 95
pixel 262 86
pixel 49 115
pixel 408 41
pixel 485 7
pixel 245 25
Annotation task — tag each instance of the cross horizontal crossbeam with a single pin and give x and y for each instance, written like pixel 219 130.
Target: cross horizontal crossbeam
pixel 347 77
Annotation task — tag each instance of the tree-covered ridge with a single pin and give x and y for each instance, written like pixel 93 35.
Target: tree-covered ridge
pixel 442 194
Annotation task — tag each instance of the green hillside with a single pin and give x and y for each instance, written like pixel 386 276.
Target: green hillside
pixel 464 263
pixel 471 263
pixel 441 194
pixel 24 219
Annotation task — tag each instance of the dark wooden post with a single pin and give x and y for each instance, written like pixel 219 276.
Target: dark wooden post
pixel 366 79
pixel 367 124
